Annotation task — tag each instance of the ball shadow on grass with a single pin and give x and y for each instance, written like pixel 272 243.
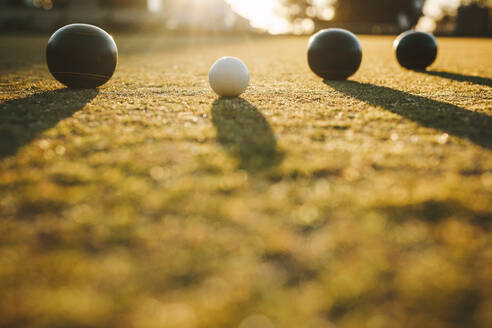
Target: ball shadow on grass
pixel 22 120
pixel 448 118
pixel 246 134
pixel 460 77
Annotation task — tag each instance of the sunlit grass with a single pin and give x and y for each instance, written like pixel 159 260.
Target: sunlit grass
pixel 151 203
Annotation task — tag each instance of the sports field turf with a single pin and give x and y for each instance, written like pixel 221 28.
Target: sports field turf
pixel 152 203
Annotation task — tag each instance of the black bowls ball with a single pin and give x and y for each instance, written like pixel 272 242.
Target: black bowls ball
pixel 334 54
pixel 81 56
pixel 415 50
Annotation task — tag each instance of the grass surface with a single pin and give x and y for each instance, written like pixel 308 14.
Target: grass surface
pixel 151 203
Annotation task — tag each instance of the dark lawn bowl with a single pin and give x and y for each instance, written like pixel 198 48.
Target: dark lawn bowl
pixel 415 50
pixel 334 54
pixel 81 56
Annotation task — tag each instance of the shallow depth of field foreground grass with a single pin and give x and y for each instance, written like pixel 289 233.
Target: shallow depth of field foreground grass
pixel 151 203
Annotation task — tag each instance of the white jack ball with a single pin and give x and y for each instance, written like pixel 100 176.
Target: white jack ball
pixel 229 77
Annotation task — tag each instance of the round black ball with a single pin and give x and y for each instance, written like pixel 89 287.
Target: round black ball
pixel 81 56
pixel 415 50
pixel 334 54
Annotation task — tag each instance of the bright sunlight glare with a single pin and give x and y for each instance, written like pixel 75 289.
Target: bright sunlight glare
pixel 154 5
pixel 262 14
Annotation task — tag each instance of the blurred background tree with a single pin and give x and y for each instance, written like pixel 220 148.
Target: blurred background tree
pixel 361 15
pixel 122 15
pixel 473 19
pixel 464 18
pixel 50 4
pixel 450 17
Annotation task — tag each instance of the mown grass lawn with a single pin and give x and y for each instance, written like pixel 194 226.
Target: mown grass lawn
pixel 152 203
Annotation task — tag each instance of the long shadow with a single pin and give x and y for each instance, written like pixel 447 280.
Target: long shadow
pixel 245 133
pixel 460 77
pixel 453 120
pixel 21 120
